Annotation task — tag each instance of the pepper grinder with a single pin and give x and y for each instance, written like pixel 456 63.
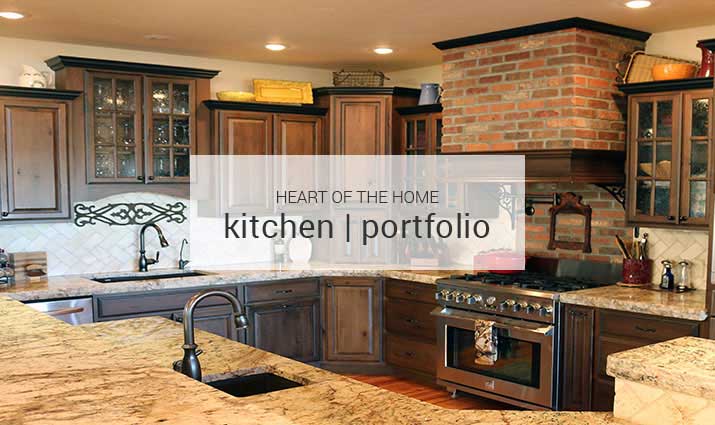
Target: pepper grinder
pixel 667 279
pixel 684 282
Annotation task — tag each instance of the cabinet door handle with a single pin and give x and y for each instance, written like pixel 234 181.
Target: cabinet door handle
pixel 648 330
pixel 412 321
pixel 286 306
pixel 410 293
pixel 283 291
pixel 140 178
pixel 177 318
pixel 409 354
pixel 5 213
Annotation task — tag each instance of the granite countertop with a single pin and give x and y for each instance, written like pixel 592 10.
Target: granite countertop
pixel 688 305
pixel 684 365
pixel 120 373
pixel 82 285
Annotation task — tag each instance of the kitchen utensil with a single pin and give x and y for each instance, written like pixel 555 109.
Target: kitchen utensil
pixel 707 62
pixel 673 71
pixel 622 247
pixel 643 247
pixel 429 93
pixel 636 273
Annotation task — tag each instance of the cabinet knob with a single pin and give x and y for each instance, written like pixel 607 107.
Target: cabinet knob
pixel 683 218
pixel 151 178
pixel 671 218
pixel 140 178
pixel 5 213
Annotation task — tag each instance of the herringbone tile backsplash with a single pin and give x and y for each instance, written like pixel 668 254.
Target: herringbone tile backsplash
pixel 100 247
pixel 676 245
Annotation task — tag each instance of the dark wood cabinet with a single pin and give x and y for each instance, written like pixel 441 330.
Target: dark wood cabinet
pixel 421 130
pixel 590 335
pixel 577 340
pixel 34 168
pixel 240 128
pixel 410 329
pixel 290 328
pixel 141 124
pixel 298 134
pixel 352 319
pixel 670 154
pixel 364 120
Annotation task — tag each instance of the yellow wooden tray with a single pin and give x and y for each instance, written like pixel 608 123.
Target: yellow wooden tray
pixel 279 91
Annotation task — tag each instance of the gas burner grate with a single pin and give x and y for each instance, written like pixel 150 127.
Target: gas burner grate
pixel 530 280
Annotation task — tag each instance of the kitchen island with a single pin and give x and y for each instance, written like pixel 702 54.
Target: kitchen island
pixel 120 373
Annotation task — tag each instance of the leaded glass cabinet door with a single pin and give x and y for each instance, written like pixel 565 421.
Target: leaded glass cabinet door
pixel 114 151
pixel 654 148
pixel 170 115
pixel 417 134
pixel 696 157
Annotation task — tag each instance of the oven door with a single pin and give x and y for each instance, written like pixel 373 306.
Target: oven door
pixel 523 370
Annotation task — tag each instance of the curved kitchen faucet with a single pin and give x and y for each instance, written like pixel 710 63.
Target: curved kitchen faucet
pixel 190 365
pixel 144 262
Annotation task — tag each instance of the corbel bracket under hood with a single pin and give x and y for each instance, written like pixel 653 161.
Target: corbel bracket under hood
pixel 571 165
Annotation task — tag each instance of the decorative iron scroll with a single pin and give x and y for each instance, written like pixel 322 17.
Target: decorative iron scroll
pixel 124 214
pixel 617 191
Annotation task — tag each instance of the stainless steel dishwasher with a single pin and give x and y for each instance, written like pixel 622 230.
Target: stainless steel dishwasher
pixel 75 311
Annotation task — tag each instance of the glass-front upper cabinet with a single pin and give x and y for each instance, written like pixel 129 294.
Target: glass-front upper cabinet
pixel 421 130
pixel 670 151
pixel 170 128
pixel 114 128
pixel 697 157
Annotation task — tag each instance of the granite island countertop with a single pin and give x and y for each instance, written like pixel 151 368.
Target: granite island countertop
pixel 684 365
pixel 688 305
pixel 120 373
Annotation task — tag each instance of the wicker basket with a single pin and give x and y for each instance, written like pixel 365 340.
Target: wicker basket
pixel 638 66
pixel 359 78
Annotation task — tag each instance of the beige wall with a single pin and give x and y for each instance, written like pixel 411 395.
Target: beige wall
pixel 414 77
pixel 234 75
pixel 679 43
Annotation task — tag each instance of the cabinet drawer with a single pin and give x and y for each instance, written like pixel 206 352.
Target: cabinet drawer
pixel 282 290
pixel 147 302
pixel 412 291
pixel 652 328
pixel 411 319
pixel 411 354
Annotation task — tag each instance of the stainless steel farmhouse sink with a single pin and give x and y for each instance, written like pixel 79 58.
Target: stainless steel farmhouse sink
pixel 135 277
pixel 261 383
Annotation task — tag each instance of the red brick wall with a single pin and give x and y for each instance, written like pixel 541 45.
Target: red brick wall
pixel 607 221
pixel 545 91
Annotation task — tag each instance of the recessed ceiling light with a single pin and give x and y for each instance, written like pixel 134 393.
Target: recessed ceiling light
pixel 276 47
pixel 638 4
pixel 11 15
pixel 383 50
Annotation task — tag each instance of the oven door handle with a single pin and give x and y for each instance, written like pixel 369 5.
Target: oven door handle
pixel 448 313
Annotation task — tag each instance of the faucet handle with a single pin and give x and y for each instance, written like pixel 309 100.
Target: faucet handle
pixel 153 260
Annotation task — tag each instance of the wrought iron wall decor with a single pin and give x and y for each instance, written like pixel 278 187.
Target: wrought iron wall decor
pixel 570 203
pixel 125 213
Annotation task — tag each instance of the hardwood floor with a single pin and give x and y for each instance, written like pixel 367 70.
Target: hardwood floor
pixel 430 394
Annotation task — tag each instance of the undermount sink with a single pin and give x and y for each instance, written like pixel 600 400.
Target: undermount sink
pixel 261 383
pixel 135 277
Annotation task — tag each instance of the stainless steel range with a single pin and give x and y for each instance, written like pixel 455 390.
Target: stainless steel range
pixel 523 309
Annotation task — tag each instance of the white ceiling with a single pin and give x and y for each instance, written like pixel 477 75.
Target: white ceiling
pixel 319 33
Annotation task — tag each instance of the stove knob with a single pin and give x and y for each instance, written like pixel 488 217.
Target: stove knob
pixel 506 304
pixel 532 308
pixel 449 296
pixel 491 301
pixel 545 311
pixel 519 306
pixel 474 299
pixel 460 297
pixel 441 294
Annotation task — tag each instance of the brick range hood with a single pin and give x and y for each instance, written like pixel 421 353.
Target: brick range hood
pixel 547 91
